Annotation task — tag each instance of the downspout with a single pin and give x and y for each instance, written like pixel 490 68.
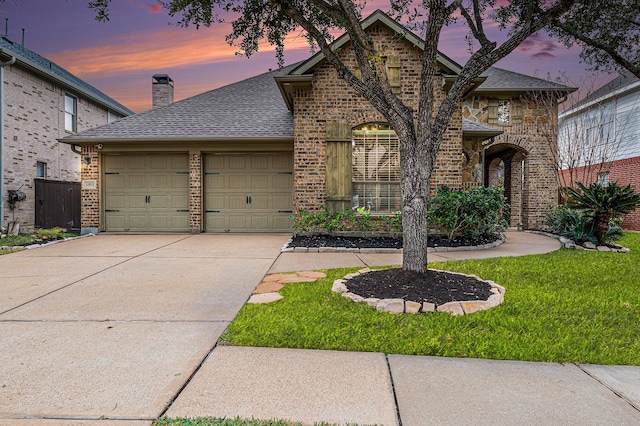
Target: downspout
pixel 2 65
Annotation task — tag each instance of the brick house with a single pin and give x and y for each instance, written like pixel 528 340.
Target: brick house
pixel 41 102
pixel 243 157
pixel 603 130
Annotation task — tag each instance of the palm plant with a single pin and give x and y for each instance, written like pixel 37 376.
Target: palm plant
pixel 605 203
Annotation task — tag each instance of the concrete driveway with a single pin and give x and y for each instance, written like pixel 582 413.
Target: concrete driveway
pixel 114 326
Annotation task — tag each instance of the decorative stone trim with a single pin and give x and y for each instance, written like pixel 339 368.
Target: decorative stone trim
pixel 589 246
pixel 399 306
pixel 286 249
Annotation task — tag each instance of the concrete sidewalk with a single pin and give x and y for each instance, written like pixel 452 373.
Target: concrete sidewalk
pixel 117 330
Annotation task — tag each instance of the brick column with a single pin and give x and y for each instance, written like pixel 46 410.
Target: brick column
pixel 195 192
pixel 90 193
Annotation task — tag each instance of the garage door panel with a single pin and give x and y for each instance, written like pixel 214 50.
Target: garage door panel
pixel 259 202
pixel 136 202
pixel 237 223
pixel 259 223
pixel 260 163
pixel 260 182
pixel 237 163
pixel 282 202
pixel 147 191
pixel 254 187
pixel 236 202
pixel 282 182
pixel 215 202
pixel 281 223
pixel 135 163
pixel 136 181
pixel 237 182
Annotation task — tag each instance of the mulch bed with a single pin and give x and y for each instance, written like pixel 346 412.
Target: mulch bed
pixel 383 242
pixel 432 286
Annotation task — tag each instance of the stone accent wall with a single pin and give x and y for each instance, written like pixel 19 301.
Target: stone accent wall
pixel 332 99
pixel 195 192
pixel 534 140
pixel 34 119
pixel 90 204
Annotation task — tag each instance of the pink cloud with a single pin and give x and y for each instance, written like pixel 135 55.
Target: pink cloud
pixel 154 8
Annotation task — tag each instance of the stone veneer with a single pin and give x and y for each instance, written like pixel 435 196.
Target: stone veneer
pixel 530 142
pixel 400 306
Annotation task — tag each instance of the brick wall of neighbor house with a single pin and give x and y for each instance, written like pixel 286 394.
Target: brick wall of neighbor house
pixel 34 119
pixel 534 139
pixel 623 172
pixel 331 99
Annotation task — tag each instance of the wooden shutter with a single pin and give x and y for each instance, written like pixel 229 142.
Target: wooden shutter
pixel 393 73
pixel 338 166
pixel 493 111
pixel 517 111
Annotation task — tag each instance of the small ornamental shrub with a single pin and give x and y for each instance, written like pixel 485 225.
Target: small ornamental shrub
pixel 604 204
pixel 471 213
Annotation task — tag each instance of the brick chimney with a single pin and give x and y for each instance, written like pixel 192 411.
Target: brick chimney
pixel 161 90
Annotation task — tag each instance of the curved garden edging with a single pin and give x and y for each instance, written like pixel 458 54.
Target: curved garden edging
pixel 399 306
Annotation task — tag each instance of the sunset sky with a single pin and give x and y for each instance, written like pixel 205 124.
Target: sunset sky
pixel 120 56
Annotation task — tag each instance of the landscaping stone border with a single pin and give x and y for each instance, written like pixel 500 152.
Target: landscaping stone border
pixel 267 290
pixel 399 306
pixel 588 246
pixel 36 245
pixel 443 249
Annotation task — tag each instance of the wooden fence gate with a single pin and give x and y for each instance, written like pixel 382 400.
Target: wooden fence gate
pixel 57 204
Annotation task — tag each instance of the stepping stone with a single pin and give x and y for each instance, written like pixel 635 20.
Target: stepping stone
pixel 312 274
pixel 276 277
pixel 297 279
pixel 268 287
pixel 264 298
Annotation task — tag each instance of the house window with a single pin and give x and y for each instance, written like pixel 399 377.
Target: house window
pixel 70 113
pixel 603 179
pixel 375 168
pixel 41 170
pixel 504 111
pixel 112 116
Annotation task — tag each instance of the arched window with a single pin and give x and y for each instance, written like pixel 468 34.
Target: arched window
pixel 375 168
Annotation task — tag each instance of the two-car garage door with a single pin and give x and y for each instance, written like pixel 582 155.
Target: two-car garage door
pixel 242 193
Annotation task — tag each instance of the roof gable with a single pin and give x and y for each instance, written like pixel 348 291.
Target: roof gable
pixel 378 17
pixel 51 71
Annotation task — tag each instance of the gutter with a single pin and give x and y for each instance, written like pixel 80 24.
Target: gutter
pixel 11 61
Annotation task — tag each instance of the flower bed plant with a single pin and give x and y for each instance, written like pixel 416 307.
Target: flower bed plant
pixel 470 213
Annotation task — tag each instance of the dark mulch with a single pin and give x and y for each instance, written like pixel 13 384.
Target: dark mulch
pixel 432 286
pixel 384 242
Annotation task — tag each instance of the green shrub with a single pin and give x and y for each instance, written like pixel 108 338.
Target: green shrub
pixel 358 220
pixel 604 204
pixel 472 212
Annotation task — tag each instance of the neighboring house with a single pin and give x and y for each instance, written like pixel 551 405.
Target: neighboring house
pixel 599 139
pixel 244 157
pixel 39 103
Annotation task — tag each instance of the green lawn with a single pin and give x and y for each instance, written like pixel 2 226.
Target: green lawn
pixel 566 306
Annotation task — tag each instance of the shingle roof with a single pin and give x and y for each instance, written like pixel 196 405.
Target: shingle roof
pixel 619 82
pixel 474 128
pixel 49 69
pixel 248 109
pixel 499 79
